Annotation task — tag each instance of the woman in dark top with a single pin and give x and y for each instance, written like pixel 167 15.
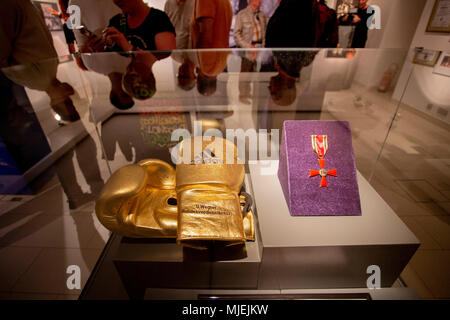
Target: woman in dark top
pixel 139 27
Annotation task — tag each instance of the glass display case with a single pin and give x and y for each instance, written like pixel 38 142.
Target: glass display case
pixel 127 107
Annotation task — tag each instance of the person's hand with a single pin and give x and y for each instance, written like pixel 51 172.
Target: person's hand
pixel 80 63
pixel 94 44
pixel 356 19
pixel 112 35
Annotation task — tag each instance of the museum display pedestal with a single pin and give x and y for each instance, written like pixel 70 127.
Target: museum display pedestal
pixel 289 252
pixel 327 252
pixel 155 263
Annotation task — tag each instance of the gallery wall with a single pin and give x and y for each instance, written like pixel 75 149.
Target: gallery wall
pixel 399 19
pixel 59 40
pixel 420 87
pixel 58 36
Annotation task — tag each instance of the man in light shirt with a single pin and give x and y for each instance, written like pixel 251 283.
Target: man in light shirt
pixel 250 28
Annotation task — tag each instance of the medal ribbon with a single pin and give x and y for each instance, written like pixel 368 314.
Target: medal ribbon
pixel 319 145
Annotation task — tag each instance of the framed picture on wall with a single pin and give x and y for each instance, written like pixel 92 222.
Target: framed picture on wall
pixel 426 57
pixel 50 12
pixel 440 17
pixel 443 65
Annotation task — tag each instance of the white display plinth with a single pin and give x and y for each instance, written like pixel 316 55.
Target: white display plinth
pixel 327 252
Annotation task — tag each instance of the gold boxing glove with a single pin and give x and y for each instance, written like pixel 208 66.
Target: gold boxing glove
pixel 139 200
pixel 207 185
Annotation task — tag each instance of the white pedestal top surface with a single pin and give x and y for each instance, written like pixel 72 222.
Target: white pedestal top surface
pixel 378 224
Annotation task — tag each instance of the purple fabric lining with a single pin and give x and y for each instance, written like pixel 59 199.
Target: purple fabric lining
pixel 303 194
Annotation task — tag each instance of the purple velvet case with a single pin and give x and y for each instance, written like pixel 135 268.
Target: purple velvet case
pixel 303 194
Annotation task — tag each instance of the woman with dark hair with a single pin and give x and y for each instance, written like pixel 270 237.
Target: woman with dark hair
pixel 138 27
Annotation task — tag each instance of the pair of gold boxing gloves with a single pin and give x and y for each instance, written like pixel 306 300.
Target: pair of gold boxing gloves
pixel 196 203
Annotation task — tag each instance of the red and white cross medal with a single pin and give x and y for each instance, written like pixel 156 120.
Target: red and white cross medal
pixel 320 147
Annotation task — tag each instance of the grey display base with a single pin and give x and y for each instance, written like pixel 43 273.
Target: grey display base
pixel 164 264
pixel 358 294
pixel 289 252
pixel 156 263
pixel 327 252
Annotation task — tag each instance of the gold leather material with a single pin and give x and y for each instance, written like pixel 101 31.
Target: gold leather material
pixel 140 200
pixel 230 175
pixel 249 222
pixel 249 226
pixel 209 207
pixel 136 201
